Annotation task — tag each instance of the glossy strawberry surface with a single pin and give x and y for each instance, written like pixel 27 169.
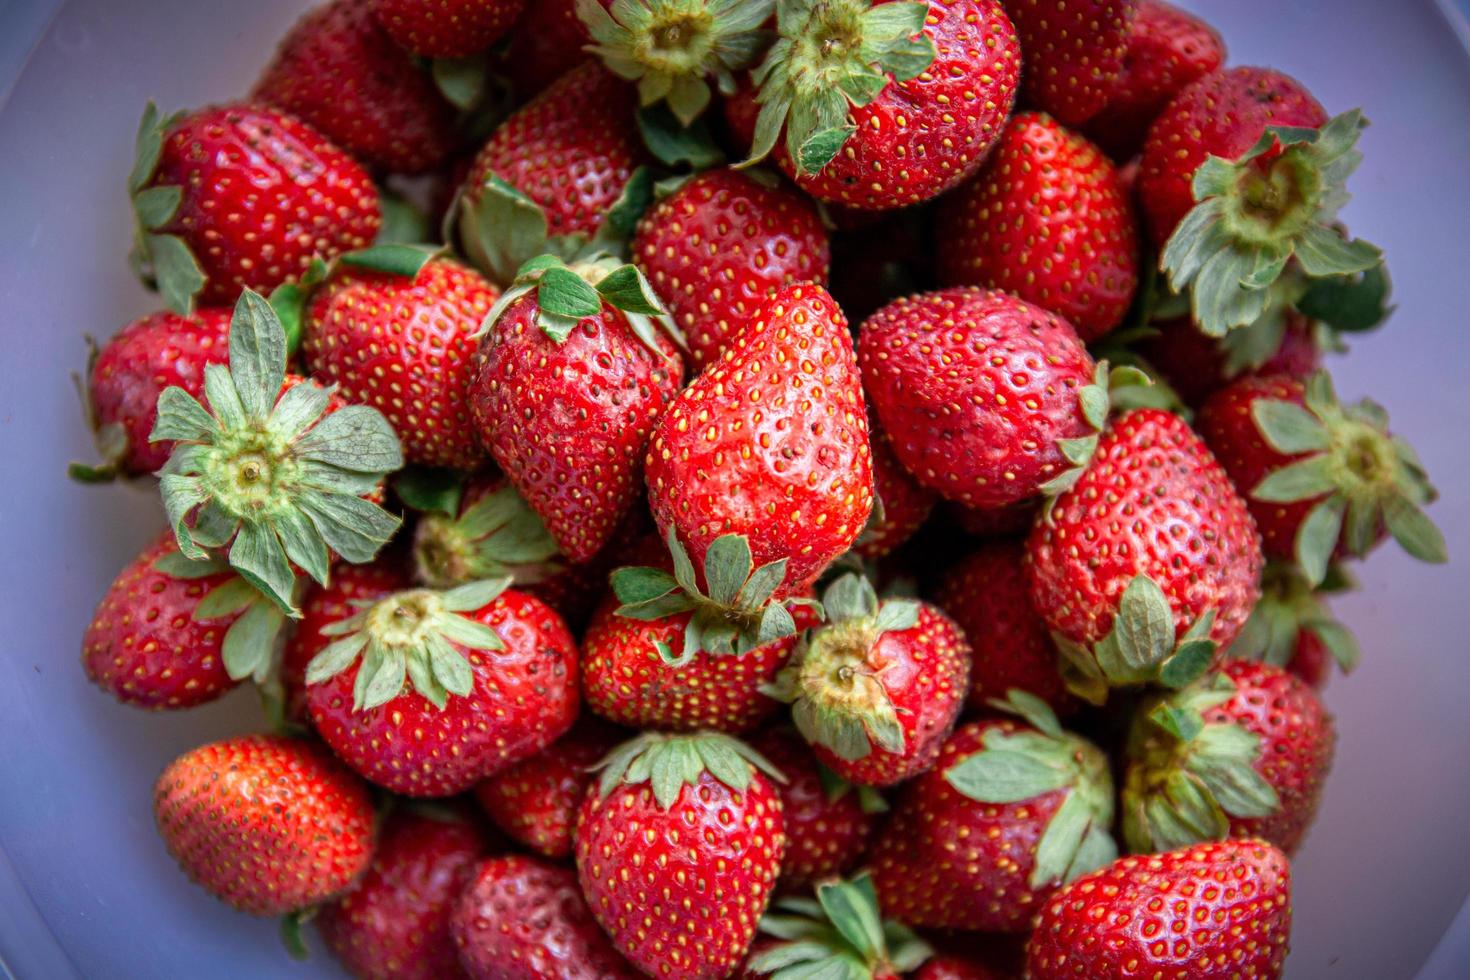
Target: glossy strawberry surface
pixel 447 28
pixel 1074 53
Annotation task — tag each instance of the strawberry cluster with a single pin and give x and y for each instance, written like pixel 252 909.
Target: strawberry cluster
pixel 714 488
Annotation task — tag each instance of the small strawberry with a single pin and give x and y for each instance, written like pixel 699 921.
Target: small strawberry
pixel 1074 53
pixel 1148 563
pixel 1291 626
pixel 720 245
pixel 1047 220
pixel 1013 810
pixel 393 924
pixel 447 28
pixel 268 824
pixel 196 176
pixel 704 812
pixel 339 70
pixel 547 42
pixel 479 529
pixel 877 689
pixel 1206 912
pixel 901 504
pixel 522 918
pixel 451 687
pixel 839 934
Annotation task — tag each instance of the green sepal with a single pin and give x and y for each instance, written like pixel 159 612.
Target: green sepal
pixel 841 935
pixel 670 762
pixel 675 144
pixel 400 259
pixel 289 301
pixel 293 934
pixel 500 228
pixel 462 81
pixel 430 490
pixel 1093 404
pixel 404 223
pixel 498 535
pixel 162 260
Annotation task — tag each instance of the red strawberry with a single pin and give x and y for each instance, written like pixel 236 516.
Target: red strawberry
pixel 981 394
pixel 1197 365
pixel 447 28
pixel 987 595
pixel 1310 659
pixel 720 245
pixel 125 378
pixel 269 824
pixel 1241 753
pixel 393 924
pixel 949 966
pixel 1321 480
pixel 901 504
pixel 1012 811
pixel 1167 49
pixel 1046 219
pixel 452 687
pixel 686 899
pixel 841 934
pixel 878 688
pixel 547 42
pixel 1074 53
pixel 403 341
pixel 1148 563
pixel 196 175
pixel 1199 913
pixel 1292 627
pixel 339 70
pixel 525 919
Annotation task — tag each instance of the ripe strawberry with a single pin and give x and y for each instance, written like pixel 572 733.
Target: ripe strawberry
pixel 269 824
pixel 197 176
pixel 901 504
pixel 885 106
pixel 125 378
pixel 840 934
pixel 718 247
pixel 1322 480
pixel 447 28
pixel 339 70
pixel 878 688
pixel 402 339
pixel 987 596
pixel 525 919
pixel 547 42
pixel 1291 626
pixel 393 924
pixel 685 901
pixel 1047 220
pixel 949 966
pixel 1012 811
pixel 1243 752
pixel 1197 365
pixel 984 397
pixel 1198 913
pixel 572 381
pixel 1148 563
pixel 1074 53
pixel 452 686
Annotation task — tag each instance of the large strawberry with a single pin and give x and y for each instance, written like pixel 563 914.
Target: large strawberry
pixel 720 245
pixel 427 693
pixel 1208 912
pixel 447 28
pixel 1074 53
pixel 1013 810
pixel 1148 563
pixel 339 70
pixel 901 504
pixel 840 934
pixel 271 825
pixel 1292 627
pixel 686 899
pixel 884 105
pixel 196 176
pixel 1046 219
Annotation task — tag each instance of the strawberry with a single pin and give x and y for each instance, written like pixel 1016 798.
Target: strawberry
pixel 950 966
pixel 1146 565
pixel 452 687
pixel 839 934
pixel 125 378
pixel 985 398
pixel 447 28
pixel 1321 480
pixel 196 176
pixel 548 41
pixel 1197 365
pixel 901 504
pixel 1243 752
pixel 720 245
pixel 878 688
pixel 1292 627
pixel 1013 810
pixel 1074 53
pixel 885 105
pixel 268 824
pixel 1199 913
pixel 402 339
pixel 1047 220
pixel 706 816
pixel 572 380
pixel 522 918
pixel 339 70
pixel 1168 48
pixel 480 529
pixel 393 924
pixel 987 596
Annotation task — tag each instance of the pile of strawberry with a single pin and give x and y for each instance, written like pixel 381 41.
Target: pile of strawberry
pixel 623 602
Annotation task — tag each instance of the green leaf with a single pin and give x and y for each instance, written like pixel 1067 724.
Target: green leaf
pixel 421 676
pixel 675 144
pixel 178 275
pixel 562 292
pixel 298 409
pixel 896 615
pixel 396 259
pixel 1144 626
pixel 403 223
pixel 451 669
pixel 474 596
pixel 147 148
pixel 257 355
pixel 726 567
pixel 501 228
pixel 627 290
pixel 1003 776
pixel 1349 303
pixel 1414 531
pixel 1289 428
pixel 250 642
pixel 1323 251
pixel 156 206
pixel 636 585
pixel 761 585
pixel 181 418
pixel 625 213
pixel 355 438
pixel 354 528
pixel 461 80
pixel 468 633
pixel 1339 641
pixel 257 555
pixel 1187 665
pixel 335 657
pixel 818 149
pixel 386 682
pixel 1316 539
pixel 225 599
pixel 1060 841
pixel 176 565
pixel 1301 480
pixel 853 911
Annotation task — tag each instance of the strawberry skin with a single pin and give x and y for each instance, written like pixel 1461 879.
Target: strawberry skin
pixel 1047 220
pixel 906 503
pixel 548 41
pixel 268 824
pixel 1074 53
pixel 447 28
pixel 953 967
pixel 406 347
pixel 1208 912
pixel 393 924
pixel 340 71
pixel 722 244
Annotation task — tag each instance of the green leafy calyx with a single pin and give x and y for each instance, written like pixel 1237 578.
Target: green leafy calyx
pixel 497 535
pixel 1290 607
pixel 839 934
pixel 258 630
pixel 162 259
pixel 670 762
